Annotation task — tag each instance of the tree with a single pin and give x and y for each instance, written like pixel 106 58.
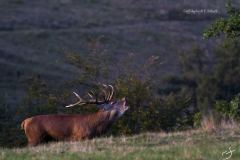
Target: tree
pixel 226 69
pixel 229 26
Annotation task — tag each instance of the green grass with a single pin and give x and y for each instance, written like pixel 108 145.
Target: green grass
pixel 188 145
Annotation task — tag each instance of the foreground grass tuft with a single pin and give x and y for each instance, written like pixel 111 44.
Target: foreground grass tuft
pixel 188 145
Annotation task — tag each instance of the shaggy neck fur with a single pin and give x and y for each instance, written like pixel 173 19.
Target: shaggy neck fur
pixel 100 122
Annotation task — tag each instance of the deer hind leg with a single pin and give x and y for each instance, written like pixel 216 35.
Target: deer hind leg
pixel 32 143
pixel 40 139
pixel 34 135
pixel 34 139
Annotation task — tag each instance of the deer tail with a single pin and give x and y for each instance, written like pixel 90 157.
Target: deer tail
pixel 22 124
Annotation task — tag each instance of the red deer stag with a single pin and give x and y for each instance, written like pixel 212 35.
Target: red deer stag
pixel 44 128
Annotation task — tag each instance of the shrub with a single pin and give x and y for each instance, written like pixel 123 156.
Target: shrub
pixel 229 110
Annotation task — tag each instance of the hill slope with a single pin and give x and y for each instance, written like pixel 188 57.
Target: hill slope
pixel 188 145
pixel 36 35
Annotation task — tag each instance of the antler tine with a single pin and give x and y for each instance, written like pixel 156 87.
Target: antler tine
pixel 78 102
pixel 90 94
pixel 111 93
pixel 77 96
pixel 105 93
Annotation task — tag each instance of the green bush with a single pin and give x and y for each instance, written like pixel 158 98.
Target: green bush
pixel 229 110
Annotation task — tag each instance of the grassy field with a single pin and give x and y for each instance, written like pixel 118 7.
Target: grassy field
pixel 188 145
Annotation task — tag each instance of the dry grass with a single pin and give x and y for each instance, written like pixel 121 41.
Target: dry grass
pixel 212 124
pixel 187 145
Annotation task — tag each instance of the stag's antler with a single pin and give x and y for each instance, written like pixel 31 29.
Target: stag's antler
pixel 108 94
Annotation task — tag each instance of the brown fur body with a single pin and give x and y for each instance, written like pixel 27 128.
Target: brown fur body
pixel 44 128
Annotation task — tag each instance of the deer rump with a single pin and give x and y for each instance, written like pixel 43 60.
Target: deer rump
pixel 45 128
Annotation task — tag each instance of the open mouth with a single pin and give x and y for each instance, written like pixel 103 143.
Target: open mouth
pixel 123 107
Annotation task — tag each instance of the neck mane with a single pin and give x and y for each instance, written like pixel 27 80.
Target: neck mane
pixel 101 121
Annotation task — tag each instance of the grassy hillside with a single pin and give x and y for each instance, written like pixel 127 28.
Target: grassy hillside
pixel 35 36
pixel 188 145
